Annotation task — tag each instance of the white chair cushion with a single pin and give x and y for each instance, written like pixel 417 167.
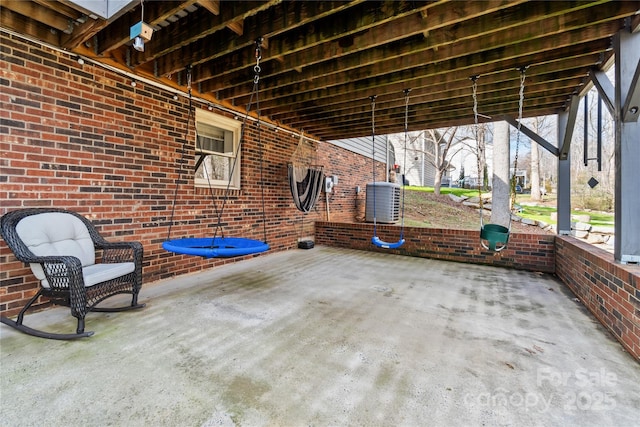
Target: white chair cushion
pixel 56 233
pixel 97 273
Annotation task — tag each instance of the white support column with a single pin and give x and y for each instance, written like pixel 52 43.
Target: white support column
pixel 627 148
pixel 501 187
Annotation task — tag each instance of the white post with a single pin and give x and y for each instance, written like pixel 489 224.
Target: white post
pixel 501 187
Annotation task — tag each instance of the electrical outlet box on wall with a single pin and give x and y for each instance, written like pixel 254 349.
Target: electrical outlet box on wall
pixel 328 184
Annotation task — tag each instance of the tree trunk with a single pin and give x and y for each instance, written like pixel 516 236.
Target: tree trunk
pixel 437 181
pixel 482 159
pixel 536 195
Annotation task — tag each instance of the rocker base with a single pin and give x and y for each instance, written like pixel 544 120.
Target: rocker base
pixel 42 334
pixel 117 309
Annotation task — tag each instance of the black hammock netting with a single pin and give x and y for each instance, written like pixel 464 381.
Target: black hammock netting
pixel 306 176
pixel 306 184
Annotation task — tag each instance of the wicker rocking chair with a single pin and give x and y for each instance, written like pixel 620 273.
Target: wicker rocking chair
pixel 61 247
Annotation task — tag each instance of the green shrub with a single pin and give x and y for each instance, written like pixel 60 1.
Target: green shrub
pixel 594 200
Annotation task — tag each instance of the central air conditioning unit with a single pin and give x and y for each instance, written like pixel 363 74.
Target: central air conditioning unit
pixel 387 202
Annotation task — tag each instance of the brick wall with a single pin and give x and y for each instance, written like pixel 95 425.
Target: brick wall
pixel 534 252
pixel 609 290
pixel 83 138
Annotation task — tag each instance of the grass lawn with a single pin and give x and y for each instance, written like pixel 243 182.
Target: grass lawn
pixel 543 213
pixel 538 213
pixel 446 190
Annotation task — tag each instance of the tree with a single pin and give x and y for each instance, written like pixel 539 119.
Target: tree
pixel 540 164
pixel 442 141
pixel 438 146
pixel 482 156
pixel 583 196
pixel 541 126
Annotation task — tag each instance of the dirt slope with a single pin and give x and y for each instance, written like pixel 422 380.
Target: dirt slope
pixel 440 211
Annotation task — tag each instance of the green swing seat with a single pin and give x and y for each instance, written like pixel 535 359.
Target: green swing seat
pixel 496 237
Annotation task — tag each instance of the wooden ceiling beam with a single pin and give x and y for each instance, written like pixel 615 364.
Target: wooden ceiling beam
pixel 460 99
pixel 354 106
pixel 443 86
pixel 385 59
pixel 201 25
pixel 481 63
pixel 506 90
pixel 331 37
pixel 61 8
pixel 335 130
pixel 280 18
pixel 120 29
pixel 202 37
pixel 212 6
pixel 236 26
pixel 300 64
pixel 41 14
pixel 29 27
pixel 82 33
pixel 425 115
pixel 322 60
pixel 514 18
pixel 428 118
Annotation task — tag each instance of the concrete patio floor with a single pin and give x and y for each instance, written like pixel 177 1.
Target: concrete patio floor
pixel 328 337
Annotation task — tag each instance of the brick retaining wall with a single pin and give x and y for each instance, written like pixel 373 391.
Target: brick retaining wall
pixel 611 291
pixel 534 252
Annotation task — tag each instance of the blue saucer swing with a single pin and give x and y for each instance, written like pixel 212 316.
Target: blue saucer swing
pixel 221 246
pixel 375 239
pixel 215 247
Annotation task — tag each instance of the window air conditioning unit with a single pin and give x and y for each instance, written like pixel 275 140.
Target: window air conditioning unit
pixel 387 202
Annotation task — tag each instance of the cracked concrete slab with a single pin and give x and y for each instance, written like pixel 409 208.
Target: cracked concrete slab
pixel 328 337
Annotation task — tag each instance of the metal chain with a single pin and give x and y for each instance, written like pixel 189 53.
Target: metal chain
pixel 373 134
pixel 189 70
pixel 256 68
pixel 474 87
pixel 256 80
pixel 373 158
pixel 523 71
pixel 254 93
pixel 404 160
pixel 182 153
pixel 373 115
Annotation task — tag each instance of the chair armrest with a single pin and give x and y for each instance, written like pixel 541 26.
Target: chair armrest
pixel 65 273
pixel 124 252
pixel 61 271
pixel 120 251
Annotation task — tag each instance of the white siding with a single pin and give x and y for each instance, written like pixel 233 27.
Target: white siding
pixel 363 146
pixel 418 170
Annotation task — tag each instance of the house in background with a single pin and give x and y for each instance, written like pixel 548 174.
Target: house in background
pixel 418 163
